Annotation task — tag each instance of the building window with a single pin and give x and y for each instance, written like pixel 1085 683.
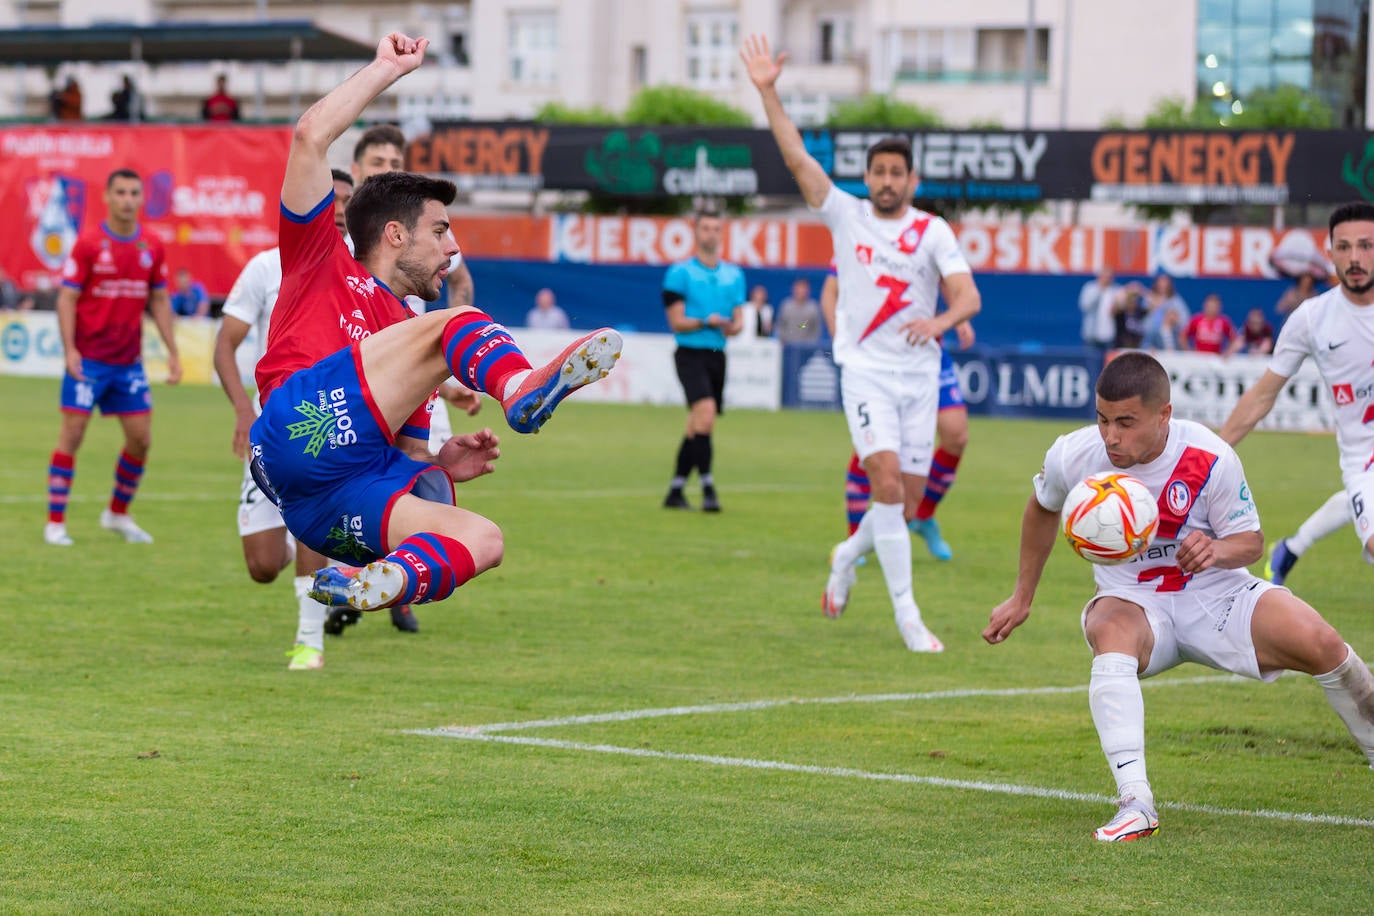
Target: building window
pixel 533 46
pixel 1001 54
pixel 712 49
pixel 639 66
pixel 836 39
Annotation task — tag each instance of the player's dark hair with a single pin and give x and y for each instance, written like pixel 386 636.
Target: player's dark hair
pixel 341 175
pixel 1358 211
pixel 391 197
pixel 121 173
pixel 1134 375
pixel 899 145
pixel 379 135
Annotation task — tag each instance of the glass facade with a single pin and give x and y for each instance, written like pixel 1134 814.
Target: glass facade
pixel 1317 45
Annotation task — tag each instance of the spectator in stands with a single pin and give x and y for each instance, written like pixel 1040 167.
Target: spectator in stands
pixel 799 316
pixel 10 296
pixel 758 312
pixel 66 102
pixel 1168 314
pixel 1129 313
pixel 190 298
pixel 44 295
pixel 221 106
pixel 1095 302
pixel 1303 288
pixel 546 315
pixel 1256 335
pixel 126 104
pixel 1210 332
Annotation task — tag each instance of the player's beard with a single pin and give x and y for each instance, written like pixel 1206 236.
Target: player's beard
pixel 889 210
pixel 1359 290
pixel 418 275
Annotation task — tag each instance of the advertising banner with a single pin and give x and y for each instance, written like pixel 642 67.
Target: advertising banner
pixel 1212 252
pixel 31 344
pixel 1206 388
pixel 996 382
pixel 1180 167
pixel 210 193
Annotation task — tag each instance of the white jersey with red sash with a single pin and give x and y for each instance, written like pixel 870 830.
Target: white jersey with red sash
pixel 1199 484
pixel 889 273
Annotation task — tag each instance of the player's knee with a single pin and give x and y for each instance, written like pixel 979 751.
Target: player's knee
pixel 262 571
pixel 954 439
pixel 1327 647
pixel 486 543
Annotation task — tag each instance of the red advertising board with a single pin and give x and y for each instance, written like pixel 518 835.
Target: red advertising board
pixel 210 192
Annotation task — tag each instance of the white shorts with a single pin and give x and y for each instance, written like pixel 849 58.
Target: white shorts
pixel 440 428
pixel 257 513
pixel 892 412
pixel 1209 626
pixel 1359 488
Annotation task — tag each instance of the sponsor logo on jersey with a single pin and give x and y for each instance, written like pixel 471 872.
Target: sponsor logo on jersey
pixel 358 314
pixel 1343 394
pixel 345 540
pixel 363 286
pixel 864 253
pixel 325 422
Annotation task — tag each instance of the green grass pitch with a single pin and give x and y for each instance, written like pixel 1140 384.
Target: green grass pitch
pixel 158 757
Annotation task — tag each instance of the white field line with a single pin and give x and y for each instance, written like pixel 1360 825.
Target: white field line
pixel 467 731
pixel 490 733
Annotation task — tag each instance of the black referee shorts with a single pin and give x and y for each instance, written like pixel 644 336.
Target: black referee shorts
pixel 702 374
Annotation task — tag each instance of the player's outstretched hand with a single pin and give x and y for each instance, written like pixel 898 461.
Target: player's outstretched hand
pixel 1004 618
pixel 470 455
pixel 405 52
pixel 763 68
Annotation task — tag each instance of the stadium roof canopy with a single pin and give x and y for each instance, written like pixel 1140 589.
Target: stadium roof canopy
pixel 165 43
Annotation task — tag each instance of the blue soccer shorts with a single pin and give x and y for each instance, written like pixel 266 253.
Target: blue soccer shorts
pixel 114 389
pixel 321 451
pixel 950 395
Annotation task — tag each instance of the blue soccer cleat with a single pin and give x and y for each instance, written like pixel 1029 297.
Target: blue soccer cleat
pixel 1280 563
pixel 586 360
pixel 929 530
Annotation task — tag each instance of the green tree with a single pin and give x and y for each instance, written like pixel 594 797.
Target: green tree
pixel 882 111
pixel 558 113
pixel 657 106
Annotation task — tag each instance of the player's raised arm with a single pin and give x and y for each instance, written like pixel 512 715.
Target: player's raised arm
pixel 764 70
pixel 308 178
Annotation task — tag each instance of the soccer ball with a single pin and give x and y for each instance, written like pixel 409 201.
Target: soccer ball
pixel 1109 518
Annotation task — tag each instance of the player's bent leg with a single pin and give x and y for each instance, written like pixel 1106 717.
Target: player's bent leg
pixel 438 548
pixel 267 553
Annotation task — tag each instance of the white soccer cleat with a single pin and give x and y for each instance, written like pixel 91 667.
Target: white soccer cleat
pixel 122 525
pixel 1134 820
pixel 55 533
pixel 837 588
pixel 918 637
pixel 369 588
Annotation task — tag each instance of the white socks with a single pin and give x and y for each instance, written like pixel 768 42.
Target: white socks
pixel 1330 518
pixel 310 628
pixel 892 544
pixel 858 544
pixel 1350 691
pixel 1118 709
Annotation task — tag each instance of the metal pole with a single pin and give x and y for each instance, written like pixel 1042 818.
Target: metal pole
pixel 259 75
pixel 1064 70
pixel 1030 62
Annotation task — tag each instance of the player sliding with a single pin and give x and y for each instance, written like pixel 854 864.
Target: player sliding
pixel 341 445
pixel 1186 598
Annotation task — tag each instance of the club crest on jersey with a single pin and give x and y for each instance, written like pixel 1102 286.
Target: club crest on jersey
pixel 363 286
pixel 145 259
pixel 1343 394
pixel 1179 496
pixel 910 239
pixel 864 253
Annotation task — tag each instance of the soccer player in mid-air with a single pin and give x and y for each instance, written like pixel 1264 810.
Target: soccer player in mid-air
pixel 892 260
pixel 267 546
pixel 113 272
pixel 341 445
pixel 1187 597
pixel 1336 331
